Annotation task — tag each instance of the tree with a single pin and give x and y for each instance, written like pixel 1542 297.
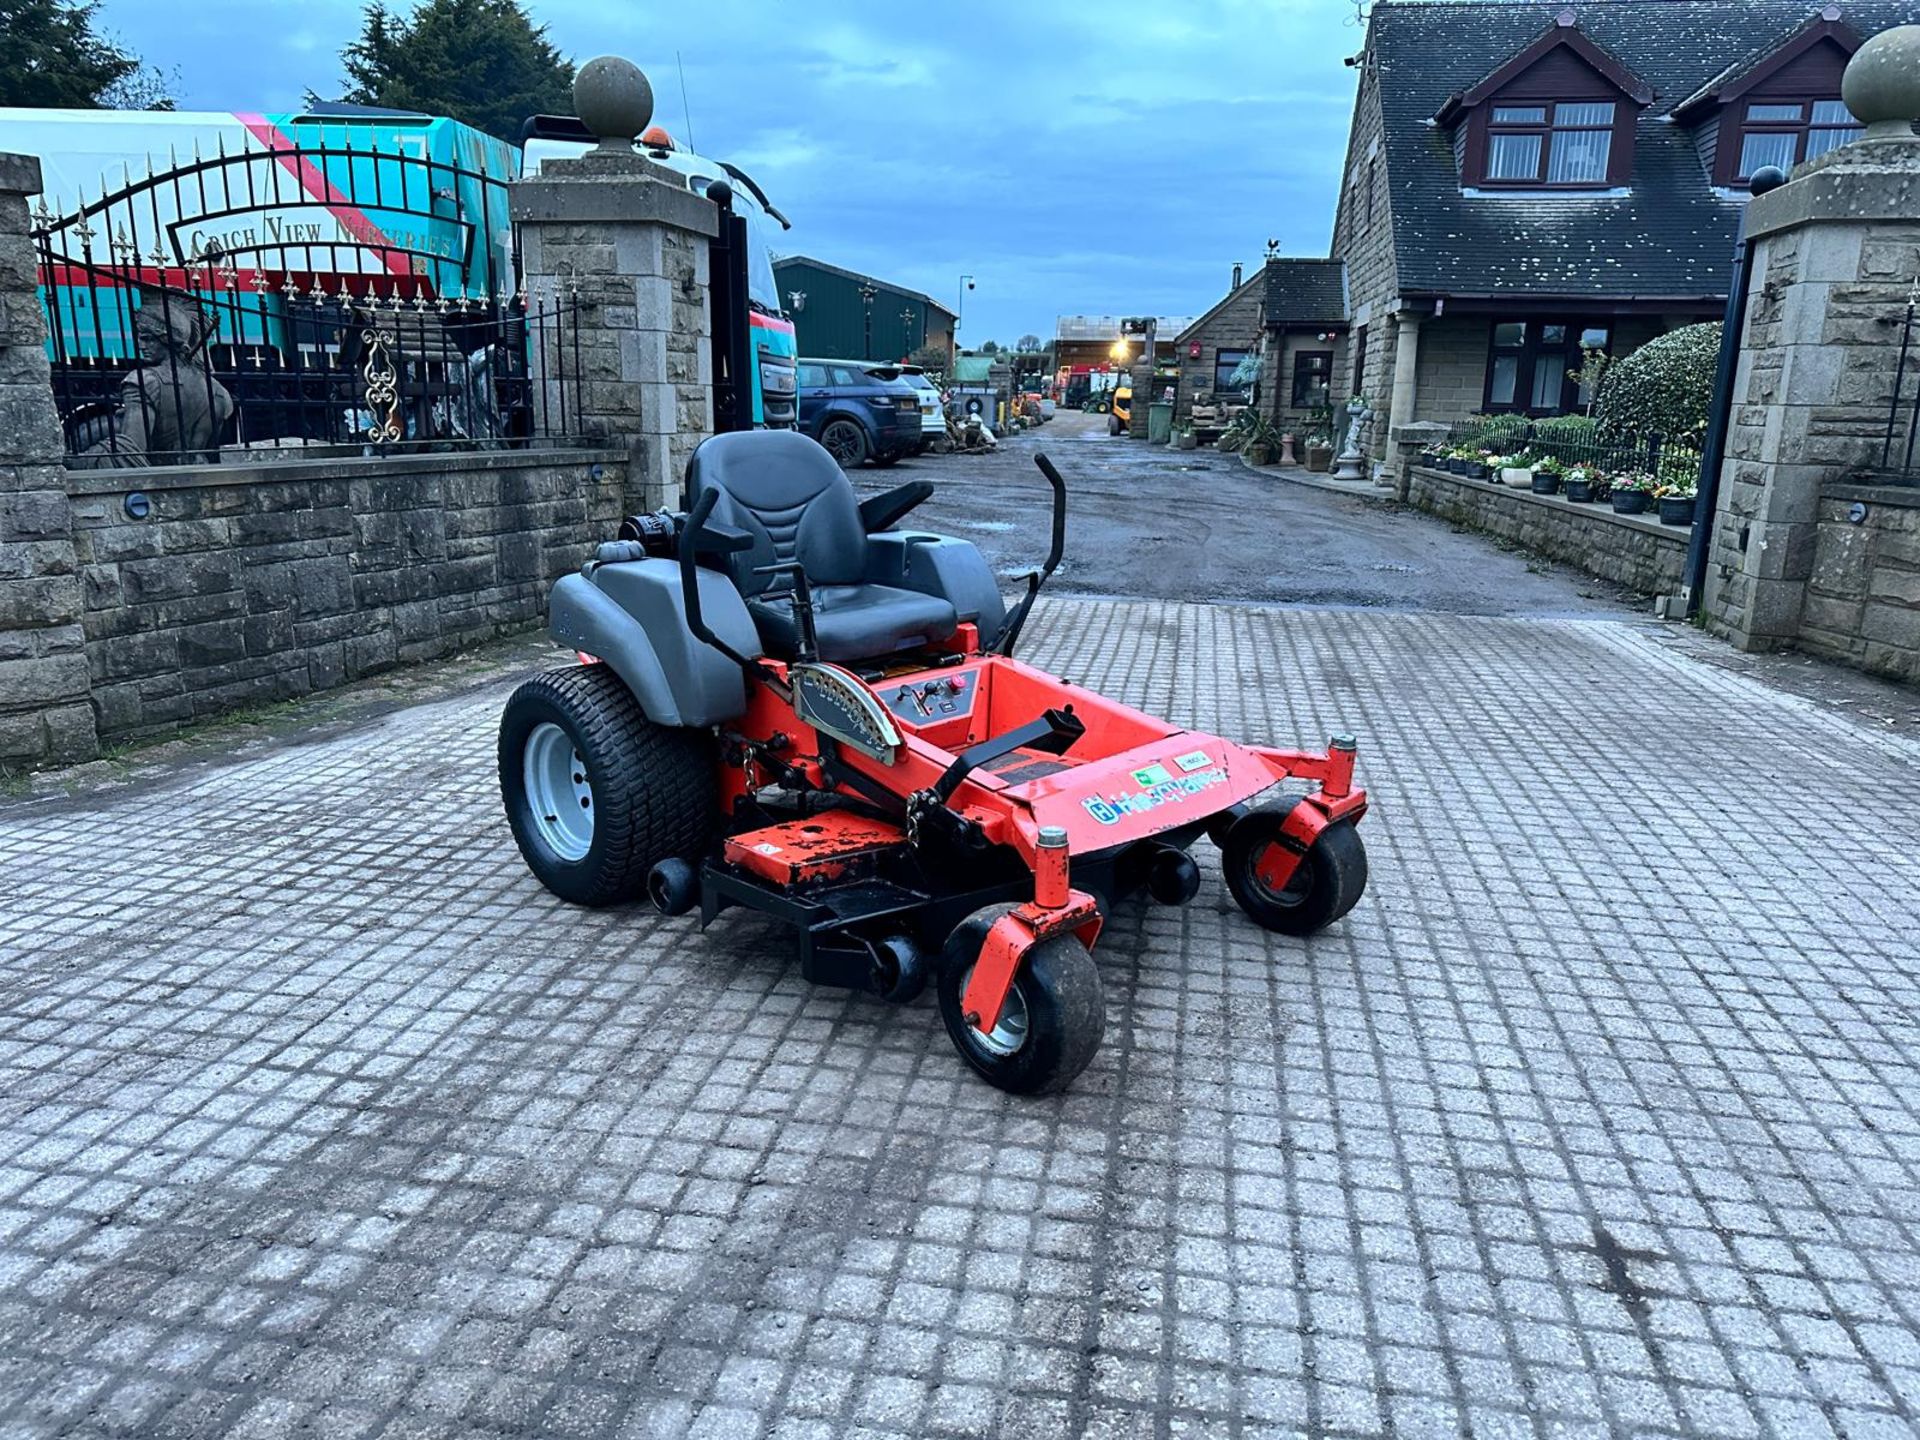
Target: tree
pixel 992 347
pixel 481 61
pixel 930 357
pixel 1028 344
pixel 53 57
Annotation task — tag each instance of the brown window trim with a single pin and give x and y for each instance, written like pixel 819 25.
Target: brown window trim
pixel 1528 353
pixel 1731 142
pixel 1482 128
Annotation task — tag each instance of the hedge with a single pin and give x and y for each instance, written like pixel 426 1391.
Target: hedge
pixel 1663 388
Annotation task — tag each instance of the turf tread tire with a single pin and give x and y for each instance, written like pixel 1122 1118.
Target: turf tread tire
pixel 653 785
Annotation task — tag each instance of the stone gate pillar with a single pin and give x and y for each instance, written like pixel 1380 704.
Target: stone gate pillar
pixel 1836 252
pixel 46 713
pixel 630 240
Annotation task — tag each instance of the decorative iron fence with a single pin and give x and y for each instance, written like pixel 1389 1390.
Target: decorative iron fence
pixel 1576 440
pixel 309 297
pixel 1903 409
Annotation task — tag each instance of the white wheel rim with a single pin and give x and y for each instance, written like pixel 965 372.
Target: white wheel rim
pixel 1010 1033
pixel 559 794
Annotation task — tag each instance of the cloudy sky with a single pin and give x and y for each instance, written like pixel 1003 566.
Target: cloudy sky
pixel 1080 158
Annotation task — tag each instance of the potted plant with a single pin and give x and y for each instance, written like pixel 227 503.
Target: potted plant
pixel 1260 442
pixel 1633 492
pixel 1549 475
pixel 1478 467
pixel 1518 470
pixel 1576 483
pixel 1320 452
pixel 1676 500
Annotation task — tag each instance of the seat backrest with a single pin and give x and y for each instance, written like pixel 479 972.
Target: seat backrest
pixel 792 497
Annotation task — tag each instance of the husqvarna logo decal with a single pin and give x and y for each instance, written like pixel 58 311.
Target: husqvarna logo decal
pixel 1109 809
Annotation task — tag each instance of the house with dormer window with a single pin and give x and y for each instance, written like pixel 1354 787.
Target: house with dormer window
pixel 1525 182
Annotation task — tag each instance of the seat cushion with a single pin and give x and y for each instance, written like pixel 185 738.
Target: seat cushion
pixel 855 622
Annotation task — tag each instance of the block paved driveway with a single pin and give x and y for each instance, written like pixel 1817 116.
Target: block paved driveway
pixel 1598 1116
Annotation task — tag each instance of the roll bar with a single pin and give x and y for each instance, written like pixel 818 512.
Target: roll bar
pixel 1009 635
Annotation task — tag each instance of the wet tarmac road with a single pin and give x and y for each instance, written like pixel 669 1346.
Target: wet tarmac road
pixel 1147 522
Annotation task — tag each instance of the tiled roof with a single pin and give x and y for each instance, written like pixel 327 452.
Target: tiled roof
pixel 1670 235
pixel 1306 292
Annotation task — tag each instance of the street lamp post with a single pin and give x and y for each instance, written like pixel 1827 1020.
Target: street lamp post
pixel 960 310
pixel 867 294
pixel 906 332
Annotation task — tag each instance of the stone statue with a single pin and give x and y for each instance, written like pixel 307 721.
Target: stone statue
pixel 170 410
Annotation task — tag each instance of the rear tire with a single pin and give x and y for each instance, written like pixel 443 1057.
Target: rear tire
pixel 644 792
pixel 1113 424
pixel 1053 1020
pixel 846 441
pixel 1326 884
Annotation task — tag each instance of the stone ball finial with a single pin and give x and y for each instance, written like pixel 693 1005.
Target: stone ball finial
pixel 1882 83
pixel 613 99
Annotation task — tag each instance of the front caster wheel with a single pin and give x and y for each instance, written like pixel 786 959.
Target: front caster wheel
pixel 1325 885
pixel 1052 1022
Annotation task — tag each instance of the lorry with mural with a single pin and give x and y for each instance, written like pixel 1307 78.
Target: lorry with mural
pixel 272 240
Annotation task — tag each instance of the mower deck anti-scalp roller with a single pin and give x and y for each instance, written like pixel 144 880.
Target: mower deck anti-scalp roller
pixel 789 702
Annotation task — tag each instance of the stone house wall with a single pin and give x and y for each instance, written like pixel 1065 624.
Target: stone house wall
pixel 1284 347
pixel 1363 238
pixel 1233 325
pixel 252 583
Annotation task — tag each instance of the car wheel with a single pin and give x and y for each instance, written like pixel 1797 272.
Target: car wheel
pixel 846 442
pixel 596 793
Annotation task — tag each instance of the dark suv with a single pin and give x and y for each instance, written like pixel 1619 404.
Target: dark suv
pixel 858 416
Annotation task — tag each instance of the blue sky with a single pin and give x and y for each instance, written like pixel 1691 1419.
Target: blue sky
pixel 1075 158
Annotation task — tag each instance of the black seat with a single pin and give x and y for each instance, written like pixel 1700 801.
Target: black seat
pixel 796 502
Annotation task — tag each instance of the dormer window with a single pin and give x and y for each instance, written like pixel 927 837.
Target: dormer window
pixel 1559 115
pixel 1788 132
pixel 1779 108
pixel 1562 142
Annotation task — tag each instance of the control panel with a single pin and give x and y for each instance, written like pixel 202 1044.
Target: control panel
pixel 924 700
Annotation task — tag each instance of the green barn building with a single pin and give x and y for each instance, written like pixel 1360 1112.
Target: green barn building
pixel 831 314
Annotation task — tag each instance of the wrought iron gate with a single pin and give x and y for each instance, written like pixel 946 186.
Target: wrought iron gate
pixel 300 296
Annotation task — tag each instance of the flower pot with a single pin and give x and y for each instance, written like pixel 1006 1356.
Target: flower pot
pixel 1477 471
pixel 1676 509
pixel 1578 491
pixel 1189 441
pixel 1456 466
pixel 1260 453
pixel 1319 458
pixel 1518 476
pixel 1631 502
pixel 1545 482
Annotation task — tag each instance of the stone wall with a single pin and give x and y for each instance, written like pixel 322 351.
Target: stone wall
pixel 1834 256
pixel 630 240
pixel 1630 550
pixel 253 583
pixel 44 715
pixel 1862 603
